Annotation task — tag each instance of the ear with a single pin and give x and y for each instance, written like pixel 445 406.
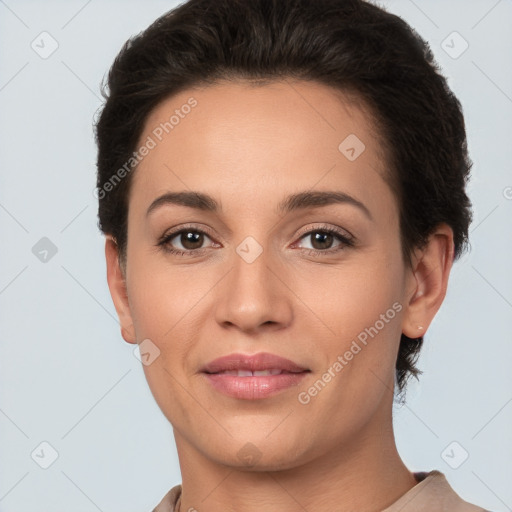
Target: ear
pixel 427 281
pixel 117 286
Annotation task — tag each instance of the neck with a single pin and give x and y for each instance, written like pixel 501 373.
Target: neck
pixel 366 474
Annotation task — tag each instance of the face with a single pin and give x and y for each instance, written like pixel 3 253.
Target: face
pixel 318 280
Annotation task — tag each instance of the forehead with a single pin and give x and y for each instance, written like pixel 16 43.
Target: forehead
pixel 237 138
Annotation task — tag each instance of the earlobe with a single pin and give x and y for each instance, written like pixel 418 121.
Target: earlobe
pixel 117 286
pixel 428 280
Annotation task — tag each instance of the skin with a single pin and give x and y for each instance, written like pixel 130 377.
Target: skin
pixel 249 147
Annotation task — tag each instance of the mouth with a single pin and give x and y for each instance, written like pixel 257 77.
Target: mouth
pixel 253 377
pixel 249 373
pixel 261 362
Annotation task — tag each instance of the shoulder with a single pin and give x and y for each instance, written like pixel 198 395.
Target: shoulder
pixel 169 501
pixel 432 493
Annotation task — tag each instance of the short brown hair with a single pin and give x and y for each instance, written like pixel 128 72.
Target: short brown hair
pixel 350 45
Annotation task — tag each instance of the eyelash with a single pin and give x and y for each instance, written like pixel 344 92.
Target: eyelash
pixel 346 241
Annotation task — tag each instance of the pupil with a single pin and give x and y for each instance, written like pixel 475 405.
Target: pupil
pixel 322 238
pixel 190 238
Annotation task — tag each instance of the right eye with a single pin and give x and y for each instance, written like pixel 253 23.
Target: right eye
pixel 185 241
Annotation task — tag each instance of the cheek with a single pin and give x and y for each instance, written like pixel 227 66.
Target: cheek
pixel 165 309
pixel 170 306
pixel 352 296
pixel 356 316
pixel 161 296
pixel 355 374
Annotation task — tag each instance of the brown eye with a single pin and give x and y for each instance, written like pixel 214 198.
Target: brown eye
pixel 325 241
pixel 191 239
pixel 185 241
pixel 321 240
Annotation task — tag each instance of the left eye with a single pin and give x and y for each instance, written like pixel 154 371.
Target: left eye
pixel 322 240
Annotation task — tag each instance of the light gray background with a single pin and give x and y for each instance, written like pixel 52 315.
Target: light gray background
pixel 69 379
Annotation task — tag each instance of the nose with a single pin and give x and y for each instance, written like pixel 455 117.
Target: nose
pixel 254 295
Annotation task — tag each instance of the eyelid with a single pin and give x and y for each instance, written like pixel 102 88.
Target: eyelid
pixel 326 227
pixel 179 229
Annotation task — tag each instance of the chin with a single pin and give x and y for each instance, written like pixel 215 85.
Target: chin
pixel 261 454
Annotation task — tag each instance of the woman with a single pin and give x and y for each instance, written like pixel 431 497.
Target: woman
pixel 281 184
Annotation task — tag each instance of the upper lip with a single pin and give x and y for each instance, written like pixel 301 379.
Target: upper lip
pixel 255 362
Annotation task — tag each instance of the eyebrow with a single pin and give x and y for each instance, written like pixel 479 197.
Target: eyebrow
pixel 294 202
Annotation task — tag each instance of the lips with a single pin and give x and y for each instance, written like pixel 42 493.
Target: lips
pixel 249 373
pixel 262 364
pixel 253 377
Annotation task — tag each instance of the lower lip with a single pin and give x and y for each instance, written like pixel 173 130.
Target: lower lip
pixel 253 388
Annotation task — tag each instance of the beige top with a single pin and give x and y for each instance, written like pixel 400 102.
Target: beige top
pixel 433 493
